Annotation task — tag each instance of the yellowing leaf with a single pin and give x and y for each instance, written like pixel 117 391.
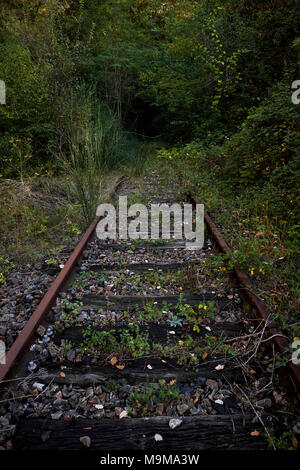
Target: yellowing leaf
pixel 172 382
pixel 113 361
pixel 295 442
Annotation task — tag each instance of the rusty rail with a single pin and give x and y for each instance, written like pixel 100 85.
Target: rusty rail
pixel 25 337
pixel 279 341
pixel 40 313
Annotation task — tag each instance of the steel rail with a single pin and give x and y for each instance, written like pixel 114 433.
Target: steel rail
pixel 40 313
pixel 276 338
pixel 26 335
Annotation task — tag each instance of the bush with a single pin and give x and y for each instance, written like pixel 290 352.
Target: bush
pixel 264 156
pixel 27 114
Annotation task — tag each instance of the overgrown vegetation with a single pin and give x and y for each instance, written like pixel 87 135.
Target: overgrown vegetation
pixel 86 81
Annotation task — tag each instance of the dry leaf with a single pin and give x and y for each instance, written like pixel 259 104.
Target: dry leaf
pixel 86 441
pixel 113 361
pixel 123 414
pixel 172 382
pixel 175 423
pixel 219 402
pixel 62 374
pixel 220 367
pixel 120 366
pixel 295 442
pixel 255 433
pixel 149 367
pixel 204 355
pixel 158 437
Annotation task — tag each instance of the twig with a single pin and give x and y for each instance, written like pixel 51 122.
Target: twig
pixel 258 416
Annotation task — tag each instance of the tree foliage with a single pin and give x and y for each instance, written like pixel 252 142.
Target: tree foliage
pixel 178 69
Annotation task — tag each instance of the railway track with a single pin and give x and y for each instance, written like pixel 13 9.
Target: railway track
pixel 143 346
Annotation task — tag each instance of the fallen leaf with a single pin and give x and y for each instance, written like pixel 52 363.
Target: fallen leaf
pixel 229 296
pixel 113 361
pixel 295 442
pixel 62 374
pixel 86 441
pixel 252 371
pixel 220 367
pixel 172 382
pixel 158 438
pixel 123 414
pixel 149 367
pixel 255 433
pixel 120 366
pixel 204 355
pixel 277 396
pixel 175 423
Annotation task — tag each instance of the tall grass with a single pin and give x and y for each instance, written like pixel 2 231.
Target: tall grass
pixel 133 154
pixel 96 145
